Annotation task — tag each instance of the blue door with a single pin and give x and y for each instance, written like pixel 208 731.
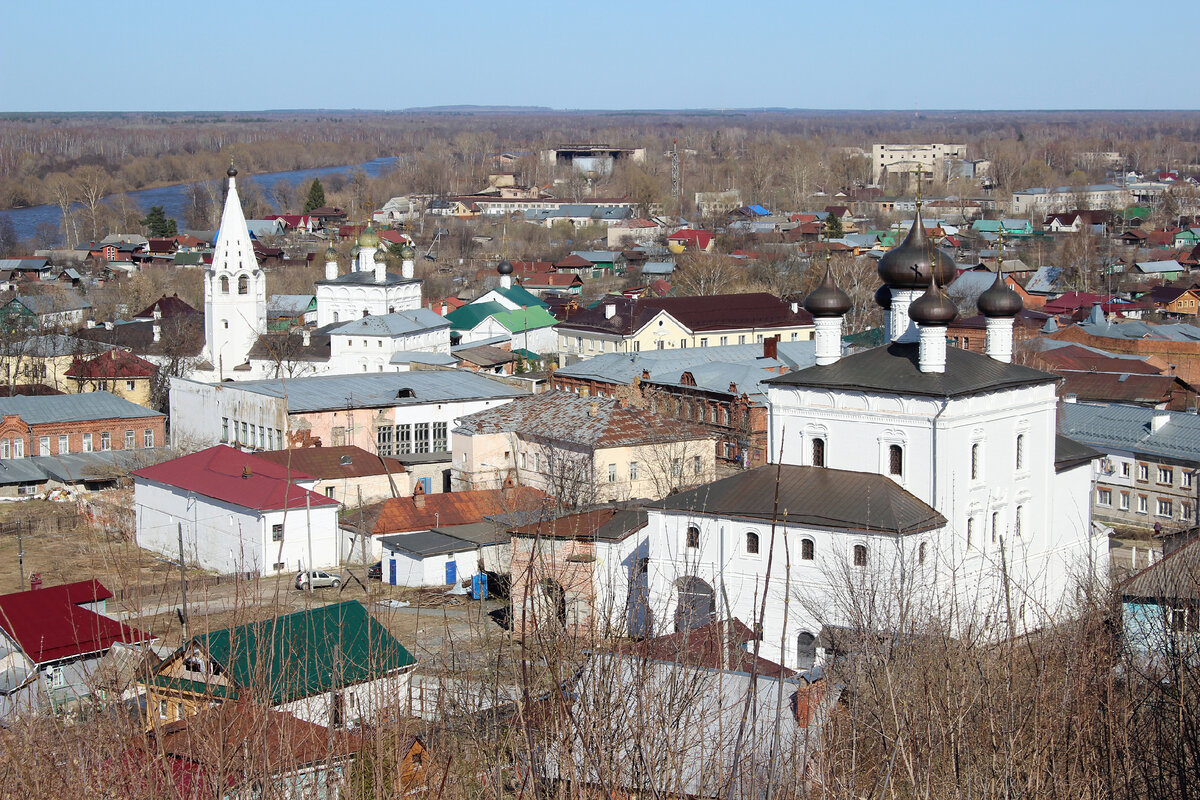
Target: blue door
pixel 426 484
pixel 451 572
pixel 392 571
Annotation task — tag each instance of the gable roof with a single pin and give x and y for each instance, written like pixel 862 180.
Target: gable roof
pixel 399 323
pixel 166 307
pixel 471 315
pixel 894 369
pixel 814 497
pixel 48 409
pixel 50 624
pixel 709 313
pixel 1130 428
pixel 382 390
pixel 687 236
pixel 525 319
pixel 112 365
pixel 1174 577
pixel 717 644
pixel 227 474
pixel 327 462
pixel 403 514
pixel 304 654
pixel 606 524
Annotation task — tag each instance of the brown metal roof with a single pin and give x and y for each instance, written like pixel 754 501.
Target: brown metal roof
pixel 756 310
pixel 813 497
pixel 326 462
pixel 610 524
pixel 429 511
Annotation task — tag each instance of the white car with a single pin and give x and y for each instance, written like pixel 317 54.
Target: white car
pixel 319 579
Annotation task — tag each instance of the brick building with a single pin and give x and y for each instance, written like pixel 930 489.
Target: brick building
pixel 76 423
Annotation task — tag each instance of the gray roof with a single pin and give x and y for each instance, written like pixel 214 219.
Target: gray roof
pixel 812 497
pixel 1160 266
pixel 426 543
pixel 893 369
pixel 72 408
pixel 1069 453
pixel 717 377
pixel 1128 428
pixel 970 285
pixel 400 323
pixel 1174 577
pixel 1044 281
pixel 75 467
pixel 1136 329
pixel 53 302
pixel 406 357
pixel 381 390
pixel 52 345
pixel 624 368
pixel 658 268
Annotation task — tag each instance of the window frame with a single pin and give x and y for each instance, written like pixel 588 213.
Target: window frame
pixel 692 537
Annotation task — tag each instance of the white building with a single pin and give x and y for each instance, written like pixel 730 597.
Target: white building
pixel 913 472
pixel 235 291
pixel 368 344
pixel 1040 201
pixel 236 513
pixel 368 289
pixel 444 556
pixel 908 158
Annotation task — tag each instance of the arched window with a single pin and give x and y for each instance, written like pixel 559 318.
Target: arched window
pixel 860 555
pixel 995 525
pixel 751 543
pixel 243 285
pixel 225 324
pixel 1020 451
pixel 1017 520
pixel 224 284
pixel 970 532
pixel 806 651
pixel 806 549
pixel 693 536
pixel 975 461
pixel 895 460
pixel 818 452
pixel 921 553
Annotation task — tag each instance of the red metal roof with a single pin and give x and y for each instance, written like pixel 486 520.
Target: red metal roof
pixel 690 236
pixel 50 625
pixel 112 365
pixel 226 473
pixel 402 514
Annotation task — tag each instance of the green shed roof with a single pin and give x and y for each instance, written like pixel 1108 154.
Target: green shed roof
pixel 306 653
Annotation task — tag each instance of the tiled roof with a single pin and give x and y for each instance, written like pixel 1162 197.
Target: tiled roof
pixel 49 624
pixel 402 514
pixel 594 422
pixel 244 479
pixel 72 408
pixel 112 365
pixel 327 462
pixel 814 497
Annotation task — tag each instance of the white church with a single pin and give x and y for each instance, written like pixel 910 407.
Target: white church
pixel 912 479
pixel 365 316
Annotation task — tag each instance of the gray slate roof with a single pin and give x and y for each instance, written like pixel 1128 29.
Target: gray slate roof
pixel 1136 329
pixel 72 408
pixel 426 543
pixel 401 323
pixel 1128 428
pixel 328 392
pixel 893 369
pixel 624 368
pixel 813 497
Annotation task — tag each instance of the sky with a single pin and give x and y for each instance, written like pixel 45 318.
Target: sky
pixel 216 55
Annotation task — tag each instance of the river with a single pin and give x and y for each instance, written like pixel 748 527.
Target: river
pixel 173 198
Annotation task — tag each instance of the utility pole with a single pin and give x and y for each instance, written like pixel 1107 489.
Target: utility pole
pixel 308 527
pixel 21 552
pixel 675 176
pixel 183 614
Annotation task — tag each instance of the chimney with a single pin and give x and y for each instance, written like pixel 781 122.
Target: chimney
pixel 795 307
pixel 1159 421
pixel 594 410
pixel 306 337
pixel 419 494
pixel 610 310
pixel 771 347
pixel 156 332
pixel 246 473
pixel 1070 398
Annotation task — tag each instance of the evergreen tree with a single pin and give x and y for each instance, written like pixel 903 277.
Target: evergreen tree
pixel 316 196
pixel 833 227
pixel 158 224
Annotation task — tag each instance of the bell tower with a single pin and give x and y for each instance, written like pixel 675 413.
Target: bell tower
pixel 235 291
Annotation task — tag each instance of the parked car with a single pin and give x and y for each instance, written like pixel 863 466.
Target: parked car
pixel 319 579
pixel 375 571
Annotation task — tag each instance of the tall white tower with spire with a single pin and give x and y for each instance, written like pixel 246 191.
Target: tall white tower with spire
pixel 235 291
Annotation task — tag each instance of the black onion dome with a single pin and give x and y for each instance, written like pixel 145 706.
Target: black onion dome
pixel 916 261
pixel 504 267
pixel 827 300
pixel 232 171
pixel 883 297
pixel 933 307
pixel 1000 300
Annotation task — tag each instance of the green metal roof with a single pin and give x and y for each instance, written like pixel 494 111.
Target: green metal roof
pixel 526 319
pixel 306 653
pixel 521 296
pixel 470 315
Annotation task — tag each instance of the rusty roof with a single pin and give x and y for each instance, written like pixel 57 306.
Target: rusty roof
pixel 326 462
pixel 717 644
pixel 813 497
pixel 611 524
pixel 595 422
pixel 429 511
pixel 756 310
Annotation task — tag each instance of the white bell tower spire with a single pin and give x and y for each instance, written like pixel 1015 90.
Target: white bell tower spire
pixel 235 299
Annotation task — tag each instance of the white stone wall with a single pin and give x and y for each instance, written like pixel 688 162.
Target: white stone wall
pixel 343 302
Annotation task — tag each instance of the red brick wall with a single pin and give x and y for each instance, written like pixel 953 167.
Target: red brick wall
pixel 568 562
pixel 1184 355
pixel 13 427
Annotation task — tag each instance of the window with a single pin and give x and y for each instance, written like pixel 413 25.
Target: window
pixel 806 651
pixel 148 437
pixel 64 443
pixel 421 437
pixel 130 440
pixel 806 549
pixel 860 555
pixel 1124 501
pixel 1185 479
pixel 975 461
pixel 612 473
pixel 243 285
pixel 1125 469
pixel 676 467
pixel 245 434
pixel 106 441
pixel 724 341
pixel 329 492
pixel 44 446
pixel 818 452
pixel 1020 451
pixel 129 386
pixel 87 443
pixel 921 553
pixel 751 543
pixel 1143 472
pixel 440 444
pixel 1143 504
pixel 895 460
pixel 384 440
pixel 225 284
pixel 224 429
pixel 970 532
pixel 995 525
pixel 4 449
pixel 1185 511
pixel 262 437
pixel 704 341
pixel 693 537
pixel 1165 475
pixel 633 470
pixel 403 439
pixel 279 566
pixel 697 465
pixel 1164 508
pixel 1017 520
pixel 1104 497
pixel 277 532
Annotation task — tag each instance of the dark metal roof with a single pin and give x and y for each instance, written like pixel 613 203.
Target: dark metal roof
pixel 894 369
pixel 427 543
pixel 1069 453
pixel 811 497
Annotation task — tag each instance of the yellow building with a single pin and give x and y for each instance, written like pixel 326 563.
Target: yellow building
pixel 117 371
pixel 44 360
